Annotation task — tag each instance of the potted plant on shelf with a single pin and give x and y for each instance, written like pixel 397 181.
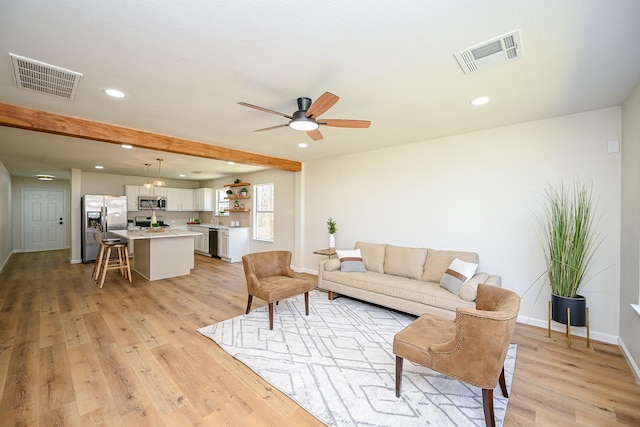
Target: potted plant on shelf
pixel 229 192
pixel 331 227
pixel 244 191
pixel 568 241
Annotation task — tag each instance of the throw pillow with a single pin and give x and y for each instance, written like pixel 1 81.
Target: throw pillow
pixel 351 261
pixel 457 273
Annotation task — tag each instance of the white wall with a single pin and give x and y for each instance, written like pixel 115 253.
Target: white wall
pixel 630 240
pixel 6 236
pixel 478 192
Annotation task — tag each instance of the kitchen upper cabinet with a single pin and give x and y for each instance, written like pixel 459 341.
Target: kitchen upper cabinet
pixel 203 200
pixel 132 192
pixel 180 199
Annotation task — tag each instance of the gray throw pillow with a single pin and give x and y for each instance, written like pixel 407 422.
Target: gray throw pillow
pixel 457 273
pixel 351 261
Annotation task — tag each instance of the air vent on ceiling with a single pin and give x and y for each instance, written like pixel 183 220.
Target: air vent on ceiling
pixel 46 78
pixel 490 53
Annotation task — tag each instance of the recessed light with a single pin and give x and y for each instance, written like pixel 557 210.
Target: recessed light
pixel 127 146
pixel 231 163
pixel 182 175
pixel 303 145
pixel 45 177
pixel 114 92
pixel 480 101
pixel 99 167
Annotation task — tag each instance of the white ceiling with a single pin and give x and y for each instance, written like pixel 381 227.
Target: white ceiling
pixel 185 65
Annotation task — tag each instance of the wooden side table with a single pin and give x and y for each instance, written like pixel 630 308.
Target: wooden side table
pixel 327 252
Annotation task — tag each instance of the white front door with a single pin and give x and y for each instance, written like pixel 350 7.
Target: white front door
pixel 43 219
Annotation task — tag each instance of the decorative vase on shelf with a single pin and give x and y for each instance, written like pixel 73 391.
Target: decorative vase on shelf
pixel 332 241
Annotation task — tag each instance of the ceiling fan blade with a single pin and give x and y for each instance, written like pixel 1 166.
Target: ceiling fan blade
pixel 271 128
pixel 322 104
pixel 314 134
pixel 266 110
pixel 345 123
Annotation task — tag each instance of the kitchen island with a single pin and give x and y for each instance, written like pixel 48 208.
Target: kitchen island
pixel 161 254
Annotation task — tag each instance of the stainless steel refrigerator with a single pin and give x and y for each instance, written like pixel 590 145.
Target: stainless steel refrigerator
pixel 108 211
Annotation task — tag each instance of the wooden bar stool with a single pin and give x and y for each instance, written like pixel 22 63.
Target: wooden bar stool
pixel 120 261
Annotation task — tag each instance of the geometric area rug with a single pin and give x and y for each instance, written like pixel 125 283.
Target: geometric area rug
pixel 338 364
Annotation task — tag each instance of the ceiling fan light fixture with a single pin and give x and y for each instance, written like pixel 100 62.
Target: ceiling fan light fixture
pixel 302 122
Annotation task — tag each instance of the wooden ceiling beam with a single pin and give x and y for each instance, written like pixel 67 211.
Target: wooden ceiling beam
pixel 42 121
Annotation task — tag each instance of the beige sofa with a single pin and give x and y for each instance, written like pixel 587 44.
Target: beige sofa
pixel 405 279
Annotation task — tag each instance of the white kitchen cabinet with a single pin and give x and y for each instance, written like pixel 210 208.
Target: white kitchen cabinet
pixel 132 192
pixel 203 200
pixel 201 243
pixel 180 199
pixel 233 243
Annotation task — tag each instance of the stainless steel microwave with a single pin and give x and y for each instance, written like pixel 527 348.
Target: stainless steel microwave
pixel 152 203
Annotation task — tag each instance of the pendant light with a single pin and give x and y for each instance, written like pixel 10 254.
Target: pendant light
pixel 148 184
pixel 159 182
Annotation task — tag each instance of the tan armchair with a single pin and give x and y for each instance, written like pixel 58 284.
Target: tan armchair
pixel 471 349
pixel 270 278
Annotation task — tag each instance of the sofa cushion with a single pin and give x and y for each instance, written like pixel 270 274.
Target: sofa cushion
pixel 372 255
pixel 469 289
pixel 400 287
pixel 351 260
pixel 405 262
pixel 438 261
pixel 457 273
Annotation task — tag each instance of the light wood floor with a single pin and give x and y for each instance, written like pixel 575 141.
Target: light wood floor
pixel 72 354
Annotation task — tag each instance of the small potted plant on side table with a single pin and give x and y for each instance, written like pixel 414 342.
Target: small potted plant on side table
pixel 331 227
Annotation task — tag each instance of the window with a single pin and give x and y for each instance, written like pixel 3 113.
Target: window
pixel 222 204
pixel 263 212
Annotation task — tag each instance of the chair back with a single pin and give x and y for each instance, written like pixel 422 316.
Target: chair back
pixel 265 264
pixel 482 338
pixel 97 232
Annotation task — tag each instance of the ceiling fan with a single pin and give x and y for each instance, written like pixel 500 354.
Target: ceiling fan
pixel 306 118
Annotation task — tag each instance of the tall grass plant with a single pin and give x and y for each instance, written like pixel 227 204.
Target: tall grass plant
pixel 567 236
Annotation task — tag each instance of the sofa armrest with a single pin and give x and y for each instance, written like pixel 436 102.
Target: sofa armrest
pixel 495 281
pixel 328 265
pixel 469 289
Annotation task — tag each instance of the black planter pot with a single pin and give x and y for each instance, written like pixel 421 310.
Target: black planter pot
pixel 578 307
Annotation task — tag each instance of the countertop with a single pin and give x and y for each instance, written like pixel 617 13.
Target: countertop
pixel 209 225
pixel 150 234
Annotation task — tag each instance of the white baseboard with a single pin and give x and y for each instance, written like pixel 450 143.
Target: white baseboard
pixel 75 261
pixel 575 330
pixel 630 361
pixel 305 270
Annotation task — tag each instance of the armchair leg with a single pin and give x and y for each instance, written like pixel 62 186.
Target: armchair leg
pixel 503 384
pixel 271 315
pixel 399 361
pixel 249 301
pixel 487 403
pixel 306 302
